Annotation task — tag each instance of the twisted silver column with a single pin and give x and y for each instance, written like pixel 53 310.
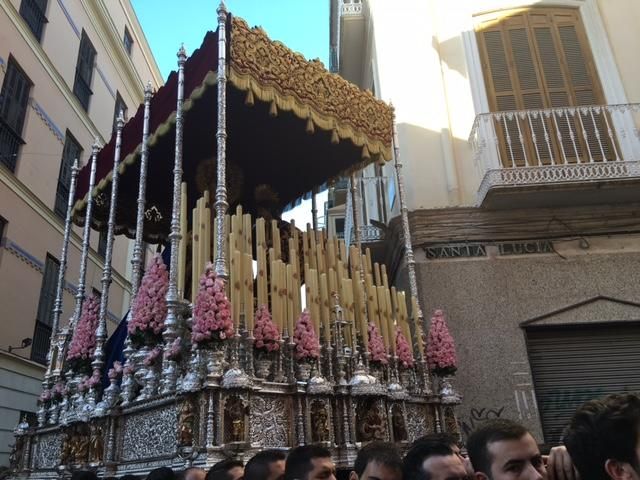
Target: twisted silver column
pixel 54 346
pixel 171 323
pixel 314 210
pixel 86 236
pixel 101 331
pixel 221 204
pixel 408 252
pixel 136 261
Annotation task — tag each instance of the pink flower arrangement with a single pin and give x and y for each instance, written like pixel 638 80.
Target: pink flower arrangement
pixel 128 369
pixel 175 351
pixel 59 391
pixel 376 345
pixel 211 310
pixel 45 396
pixel 441 350
pixel 151 358
pixel 305 339
pixel 404 350
pixel 265 332
pixel 83 342
pixel 88 382
pixel 150 305
pixel 116 371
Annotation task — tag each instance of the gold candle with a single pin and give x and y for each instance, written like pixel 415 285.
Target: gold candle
pixel 275 301
pixel 325 307
pixel 195 253
pixel 248 291
pixel 275 237
pixel 291 301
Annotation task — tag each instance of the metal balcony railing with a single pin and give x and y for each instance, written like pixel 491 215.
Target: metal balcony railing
pixel 556 145
pixel 10 143
pixel 351 7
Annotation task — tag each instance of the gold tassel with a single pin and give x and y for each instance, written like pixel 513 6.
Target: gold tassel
pixel 365 153
pixel 310 129
pixel 273 109
pixel 334 137
pixel 249 101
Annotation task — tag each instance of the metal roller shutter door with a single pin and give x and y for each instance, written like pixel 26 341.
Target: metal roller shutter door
pixel 571 365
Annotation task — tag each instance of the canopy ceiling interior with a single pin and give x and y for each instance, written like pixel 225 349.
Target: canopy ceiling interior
pixel 290 124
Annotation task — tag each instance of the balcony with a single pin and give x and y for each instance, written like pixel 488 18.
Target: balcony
pixel 351 8
pixel 558 156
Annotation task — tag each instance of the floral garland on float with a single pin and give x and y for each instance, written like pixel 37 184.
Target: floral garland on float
pixel 441 355
pixel 83 343
pixel 378 356
pixel 307 345
pixel 149 308
pixel 266 341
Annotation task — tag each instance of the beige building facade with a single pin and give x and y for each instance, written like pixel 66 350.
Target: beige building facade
pixel 66 69
pixel 518 130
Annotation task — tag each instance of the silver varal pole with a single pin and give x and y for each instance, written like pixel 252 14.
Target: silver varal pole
pixel 221 204
pixel 136 261
pixel 86 236
pixel 54 346
pixel 356 202
pixel 314 210
pixel 408 252
pixel 169 374
pixel 101 331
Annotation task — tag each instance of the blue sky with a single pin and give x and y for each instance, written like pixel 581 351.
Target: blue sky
pixel 302 25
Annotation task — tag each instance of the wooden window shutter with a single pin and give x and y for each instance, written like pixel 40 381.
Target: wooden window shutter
pixel 534 59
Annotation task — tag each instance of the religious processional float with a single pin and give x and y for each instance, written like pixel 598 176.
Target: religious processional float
pixel 221 356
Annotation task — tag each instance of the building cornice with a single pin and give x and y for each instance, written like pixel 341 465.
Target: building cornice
pixel 107 32
pixel 22 191
pixel 48 66
pixel 141 40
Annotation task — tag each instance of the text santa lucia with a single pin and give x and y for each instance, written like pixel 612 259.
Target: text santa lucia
pixel 220 356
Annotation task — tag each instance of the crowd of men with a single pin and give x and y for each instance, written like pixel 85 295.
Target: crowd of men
pixel 602 442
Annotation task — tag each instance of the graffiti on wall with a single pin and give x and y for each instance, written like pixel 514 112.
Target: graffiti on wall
pixel 478 416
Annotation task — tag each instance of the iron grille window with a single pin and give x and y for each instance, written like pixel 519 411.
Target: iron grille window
pixel 102 244
pixel 84 71
pixel 120 106
pixel 14 98
pixel 32 11
pixel 128 41
pixel 42 333
pixel 70 152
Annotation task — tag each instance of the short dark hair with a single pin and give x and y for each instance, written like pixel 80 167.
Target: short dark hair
pixel 601 430
pixel 258 467
pixel 220 470
pixel 84 475
pixel 492 431
pixel 384 453
pixel 184 473
pixel 299 461
pixel 162 473
pixel 422 449
pixel 130 476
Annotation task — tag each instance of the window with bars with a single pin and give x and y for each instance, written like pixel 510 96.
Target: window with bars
pixel 33 12
pixel 84 71
pixel 71 152
pixel 102 244
pixel 540 59
pixel 120 107
pixel 128 41
pixel 14 99
pixel 42 333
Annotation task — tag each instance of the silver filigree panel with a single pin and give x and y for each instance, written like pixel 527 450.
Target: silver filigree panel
pixel 48 451
pixel 270 422
pixel 150 434
pixel 417 422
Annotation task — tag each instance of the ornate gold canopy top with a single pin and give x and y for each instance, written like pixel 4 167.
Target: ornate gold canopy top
pixel 291 125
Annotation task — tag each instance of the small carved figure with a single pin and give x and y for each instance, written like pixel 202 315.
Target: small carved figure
pixel 235 413
pixel 79 448
pixel 372 426
pixel 66 453
pixel 320 420
pixel 398 425
pixel 187 425
pixel 96 445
